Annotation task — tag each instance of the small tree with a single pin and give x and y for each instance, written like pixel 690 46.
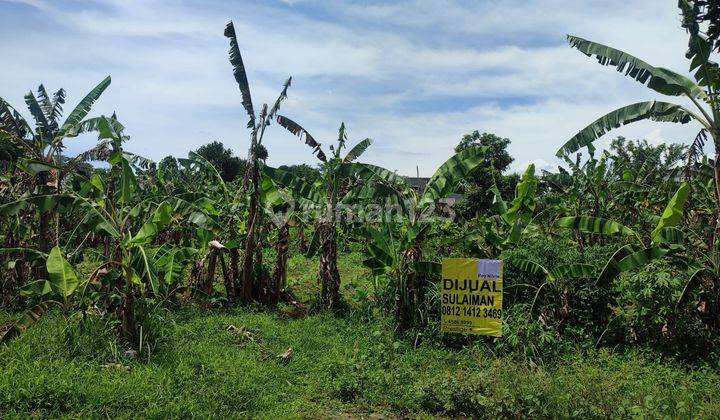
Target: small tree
pixel 478 198
pixel 230 167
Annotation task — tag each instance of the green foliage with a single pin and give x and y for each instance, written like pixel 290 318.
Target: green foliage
pixel 647 314
pixel 303 171
pixel 477 197
pixel 230 167
pixel 448 176
pixel 338 367
pixel 659 79
pixel 652 110
pixel 62 276
pixel 673 211
pixel 608 252
pixel 596 225
pixel 239 73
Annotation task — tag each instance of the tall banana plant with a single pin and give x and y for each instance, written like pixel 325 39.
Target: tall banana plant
pixel 279 205
pixel 113 207
pixel 251 271
pixel 702 92
pixel 42 146
pixel 665 239
pixel 397 253
pixel 341 182
pixel 213 237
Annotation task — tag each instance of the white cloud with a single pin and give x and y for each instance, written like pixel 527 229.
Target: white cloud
pixel 413 75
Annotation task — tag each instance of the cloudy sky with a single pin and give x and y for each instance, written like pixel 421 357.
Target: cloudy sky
pixel 412 75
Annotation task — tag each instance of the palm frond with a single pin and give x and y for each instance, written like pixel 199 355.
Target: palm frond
pixel 45 104
pixel 83 108
pixel 11 121
pixel 652 110
pixel 302 134
pixel 52 108
pixel 100 152
pixel 696 150
pixel 283 95
pixel 658 79
pixel 342 138
pixel 92 124
pixel 448 176
pixel 377 172
pixel 357 150
pixel 58 101
pixel 36 111
pixel 673 211
pixel 239 73
pixel 596 225
pixel 27 320
pixel 707 72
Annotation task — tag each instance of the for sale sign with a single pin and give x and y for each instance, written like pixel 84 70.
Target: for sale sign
pixel 471 299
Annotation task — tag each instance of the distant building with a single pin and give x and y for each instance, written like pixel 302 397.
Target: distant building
pixel 420 183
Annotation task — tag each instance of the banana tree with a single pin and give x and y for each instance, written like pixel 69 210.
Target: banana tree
pixel 664 240
pixel 396 251
pixel 42 146
pixel 115 208
pixel 279 205
pixel 251 272
pixel 341 180
pixel 215 198
pixel 702 92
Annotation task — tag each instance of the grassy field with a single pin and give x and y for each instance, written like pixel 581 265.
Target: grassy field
pixel 249 362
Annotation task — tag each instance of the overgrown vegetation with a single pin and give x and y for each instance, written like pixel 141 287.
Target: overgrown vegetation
pixel 229 362
pixel 213 284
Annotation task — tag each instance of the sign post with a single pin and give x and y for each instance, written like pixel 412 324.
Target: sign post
pixel 471 296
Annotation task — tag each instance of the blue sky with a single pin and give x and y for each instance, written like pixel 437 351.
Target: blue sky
pixel 412 75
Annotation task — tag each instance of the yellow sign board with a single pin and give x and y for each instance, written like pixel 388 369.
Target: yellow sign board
pixel 471 296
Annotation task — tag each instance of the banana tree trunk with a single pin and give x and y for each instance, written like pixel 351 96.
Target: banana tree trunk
pixel 246 276
pixel 128 322
pixel 717 174
pixel 329 274
pixel 408 291
pixel 235 271
pixel 229 289
pixel 15 279
pixel 251 183
pixel 20 277
pixel 262 287
pixel 302 243
pixel 210 278
pixel 280 273
pixel 46 237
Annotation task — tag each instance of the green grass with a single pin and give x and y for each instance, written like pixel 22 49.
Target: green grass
pixel 303 275
pixel 340 367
